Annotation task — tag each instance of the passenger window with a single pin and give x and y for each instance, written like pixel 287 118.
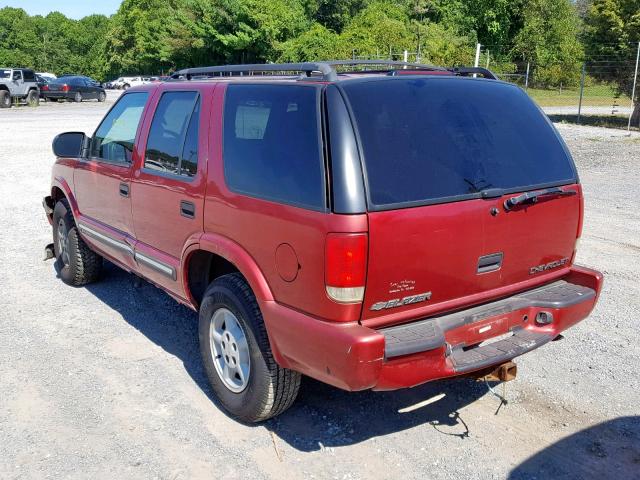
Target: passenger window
pixel 114 140
pixel 172 146
pixel 272 144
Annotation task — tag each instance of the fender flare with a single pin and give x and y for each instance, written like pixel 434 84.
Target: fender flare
pixel 62 184
pixel 234 254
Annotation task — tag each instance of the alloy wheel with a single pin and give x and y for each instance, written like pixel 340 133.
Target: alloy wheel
pixel 230 350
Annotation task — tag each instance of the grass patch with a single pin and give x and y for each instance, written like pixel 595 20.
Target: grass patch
pixel 593 96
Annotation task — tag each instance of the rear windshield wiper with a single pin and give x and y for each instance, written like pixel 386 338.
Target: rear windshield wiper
pixel 532 197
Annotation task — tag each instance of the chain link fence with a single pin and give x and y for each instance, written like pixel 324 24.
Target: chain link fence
pixel 598 93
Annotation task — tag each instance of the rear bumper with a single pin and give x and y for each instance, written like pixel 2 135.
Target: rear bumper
pixel 353 357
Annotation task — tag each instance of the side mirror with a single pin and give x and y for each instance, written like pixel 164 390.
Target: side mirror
pixel 70 145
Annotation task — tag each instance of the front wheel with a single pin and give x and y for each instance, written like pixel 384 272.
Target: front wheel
pixel 237 356
pixel 102 96
pixel 5 99
pixel 76 262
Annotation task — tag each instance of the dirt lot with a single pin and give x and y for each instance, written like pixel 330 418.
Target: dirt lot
pixel 105 381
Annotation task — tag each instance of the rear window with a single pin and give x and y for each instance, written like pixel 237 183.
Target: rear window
pixel 272 144
pixel 443 139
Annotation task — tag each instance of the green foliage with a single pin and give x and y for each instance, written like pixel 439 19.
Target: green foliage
pixel 612 30
pixel 549 40
pixel 155 36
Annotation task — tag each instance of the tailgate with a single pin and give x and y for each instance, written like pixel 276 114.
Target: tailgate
pixel 451 251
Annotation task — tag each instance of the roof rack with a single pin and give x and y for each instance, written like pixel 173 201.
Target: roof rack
pixel 308 68
pixel 466 71
pixel 325 70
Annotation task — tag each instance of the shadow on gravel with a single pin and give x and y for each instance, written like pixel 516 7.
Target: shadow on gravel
pixel 323 416
pixel 607 450
pixel 609 121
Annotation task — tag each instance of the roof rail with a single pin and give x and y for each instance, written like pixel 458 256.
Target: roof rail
pixel 308 68
pixel 392 63
pixel 466 71
pixel 326 69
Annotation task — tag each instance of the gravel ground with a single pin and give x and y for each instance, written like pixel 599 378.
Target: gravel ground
pixel 105 381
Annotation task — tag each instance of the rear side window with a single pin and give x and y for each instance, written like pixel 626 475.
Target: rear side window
pixel 115 137
pixel 272 144
pixel 172 146
pixel 29 76
pixel 442 139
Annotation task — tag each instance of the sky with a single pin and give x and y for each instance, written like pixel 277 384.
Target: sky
pixel 71 8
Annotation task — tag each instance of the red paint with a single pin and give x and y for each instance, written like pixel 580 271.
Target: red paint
pixel 288 255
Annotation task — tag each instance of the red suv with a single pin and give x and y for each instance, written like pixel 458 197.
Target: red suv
pixel 372 229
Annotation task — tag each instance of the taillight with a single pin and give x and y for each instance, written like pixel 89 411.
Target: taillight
pixel 65 88
pixel 346 266
pixel 45 88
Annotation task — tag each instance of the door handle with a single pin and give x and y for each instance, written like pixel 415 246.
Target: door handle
pixel 124 189
pixel 187 209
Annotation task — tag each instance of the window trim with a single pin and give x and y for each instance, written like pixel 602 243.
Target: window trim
pixel 325 207
pixel 175 176
pixel 140 122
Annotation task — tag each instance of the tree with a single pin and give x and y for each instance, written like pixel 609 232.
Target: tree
pixel 138 38
pixel 317 43
pixel 549 40
pixel 18 38
pixel 612 31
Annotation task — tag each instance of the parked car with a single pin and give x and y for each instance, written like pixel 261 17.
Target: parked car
pixel 76 88
pixel 18 84
pixel 128 82
pixel 47 75
pixel 42 82
pixel 372 230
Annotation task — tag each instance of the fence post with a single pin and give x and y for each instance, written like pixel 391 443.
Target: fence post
pixel 633 90
pixel 488 55
pixel 406 58
pixel 477 62
pixel 581 91
pixel 526 79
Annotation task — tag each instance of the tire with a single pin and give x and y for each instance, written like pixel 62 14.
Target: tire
pixel 77 97
pixel 77 263
pixel 33 98
pixel 5 99
pixel 102 96
pixel 126 86
pixel 267 389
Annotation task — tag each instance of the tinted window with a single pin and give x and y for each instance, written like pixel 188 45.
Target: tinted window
pixel 115 137
pixel 5 73
pixel 29 76
pixel 170 132
pixel 272 144
pixel 430 139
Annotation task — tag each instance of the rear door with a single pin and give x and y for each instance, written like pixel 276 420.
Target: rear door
pixel 441 155
pixel 169 182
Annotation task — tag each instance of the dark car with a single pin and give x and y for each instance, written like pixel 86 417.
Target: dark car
pixel 371 230
pixel 42 82
pixel 76 88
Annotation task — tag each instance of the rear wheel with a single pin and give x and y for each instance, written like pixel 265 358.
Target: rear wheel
pixel 237 356
pixel 126 86
pixel 77 97
pixel 5 99
pixel 76 262
pixel 33 98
